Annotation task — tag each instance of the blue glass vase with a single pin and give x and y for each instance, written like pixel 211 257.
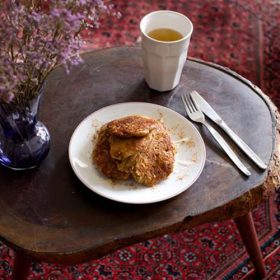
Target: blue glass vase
pixel 24 141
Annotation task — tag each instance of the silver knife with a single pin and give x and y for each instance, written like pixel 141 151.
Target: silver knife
pixel 210 113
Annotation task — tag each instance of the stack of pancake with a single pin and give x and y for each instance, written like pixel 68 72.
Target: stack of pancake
pixel 134 146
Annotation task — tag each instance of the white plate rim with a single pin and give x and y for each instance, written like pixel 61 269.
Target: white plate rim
pixel 174 194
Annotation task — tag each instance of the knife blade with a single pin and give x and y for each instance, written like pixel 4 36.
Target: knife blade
pixel 213 115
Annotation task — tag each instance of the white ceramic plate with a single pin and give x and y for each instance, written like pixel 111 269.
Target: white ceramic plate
pixel 189 160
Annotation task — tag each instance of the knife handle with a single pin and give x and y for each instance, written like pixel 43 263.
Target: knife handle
pixel 227 149
pixel 243 146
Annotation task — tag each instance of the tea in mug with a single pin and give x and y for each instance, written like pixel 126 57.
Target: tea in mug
pixel 165 34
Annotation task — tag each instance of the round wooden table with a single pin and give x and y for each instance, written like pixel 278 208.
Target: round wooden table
pixel 48 214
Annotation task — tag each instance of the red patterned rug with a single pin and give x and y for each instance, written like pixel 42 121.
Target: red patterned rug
pixel 243 35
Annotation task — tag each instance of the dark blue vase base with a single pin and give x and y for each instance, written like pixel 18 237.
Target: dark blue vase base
pixel 26 154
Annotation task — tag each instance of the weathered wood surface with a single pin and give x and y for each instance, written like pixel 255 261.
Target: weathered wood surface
pixel 50 215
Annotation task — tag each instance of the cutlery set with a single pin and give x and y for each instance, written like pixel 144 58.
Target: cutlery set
pixel 197 107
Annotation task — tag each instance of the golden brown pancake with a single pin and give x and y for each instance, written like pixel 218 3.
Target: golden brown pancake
pixel 135 146
pixel 131 126
pixel 101 157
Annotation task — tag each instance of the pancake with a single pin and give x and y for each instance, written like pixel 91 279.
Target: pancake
pixel 101 157
pixel 137 147
pixel 131 126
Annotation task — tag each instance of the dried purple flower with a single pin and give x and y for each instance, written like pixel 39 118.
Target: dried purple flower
pixel 36 36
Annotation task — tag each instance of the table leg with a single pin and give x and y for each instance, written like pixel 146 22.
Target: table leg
pixel 21 266
pixel 245 225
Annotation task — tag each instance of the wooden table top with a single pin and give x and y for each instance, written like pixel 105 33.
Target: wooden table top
pixel 51 215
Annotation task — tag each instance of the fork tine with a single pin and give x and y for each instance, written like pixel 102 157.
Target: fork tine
pixel 194 103
pixel 191 104
pixel 186 104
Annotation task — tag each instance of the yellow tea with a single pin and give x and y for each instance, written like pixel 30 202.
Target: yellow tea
pixel 165 34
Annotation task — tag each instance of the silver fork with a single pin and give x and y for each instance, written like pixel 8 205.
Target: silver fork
pixel 196 115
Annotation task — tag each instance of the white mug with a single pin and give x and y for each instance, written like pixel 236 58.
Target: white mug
pixel 164 60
